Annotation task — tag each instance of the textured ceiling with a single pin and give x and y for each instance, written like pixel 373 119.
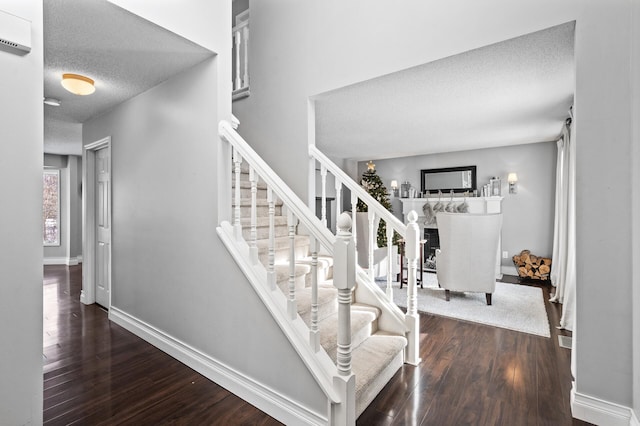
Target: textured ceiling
pixel 125 55
pixel 513 92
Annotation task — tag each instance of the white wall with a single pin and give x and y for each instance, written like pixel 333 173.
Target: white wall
pixel 528 215
pixel 170 269
pixel 603 135
pixel 21 117
pixel 300 49
pixel 74 206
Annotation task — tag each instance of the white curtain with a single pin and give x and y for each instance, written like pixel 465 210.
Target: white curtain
pixel 563 270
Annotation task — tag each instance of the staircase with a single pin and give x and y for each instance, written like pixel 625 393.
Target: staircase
pixel 347 332
pixel 376 354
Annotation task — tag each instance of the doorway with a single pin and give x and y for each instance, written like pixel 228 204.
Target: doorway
pixel 96 195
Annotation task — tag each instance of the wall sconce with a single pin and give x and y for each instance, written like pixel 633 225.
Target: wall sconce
pixel 394 187
pixel 512 178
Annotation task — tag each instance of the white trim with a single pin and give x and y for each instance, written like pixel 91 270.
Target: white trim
pixel 600 412
pixel 88 293
pixel 69 261
pixel 509 270
pixel 634 419
pixel 266 399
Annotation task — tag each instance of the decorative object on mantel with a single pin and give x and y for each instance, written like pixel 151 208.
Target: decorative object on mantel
pixel 532 266
pixel 394 187
pixel 405 187
pixel 495 184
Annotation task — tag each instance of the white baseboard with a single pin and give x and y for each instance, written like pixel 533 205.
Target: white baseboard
pixel 264 398
pixel 69 261
pixel 600 412
pixel 509 270
pixel 634 419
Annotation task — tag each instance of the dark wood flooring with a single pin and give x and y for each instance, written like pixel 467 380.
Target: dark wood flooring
pixel 97 373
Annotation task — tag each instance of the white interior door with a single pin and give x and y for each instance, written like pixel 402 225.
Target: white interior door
pixel 103 227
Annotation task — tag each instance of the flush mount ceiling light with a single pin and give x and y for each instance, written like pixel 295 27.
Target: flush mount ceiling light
pixel 78 84
pixel 52 101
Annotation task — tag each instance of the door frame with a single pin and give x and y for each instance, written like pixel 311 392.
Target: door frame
pixel 88 293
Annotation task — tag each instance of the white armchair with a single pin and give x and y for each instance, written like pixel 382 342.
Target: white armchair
pixel 466 259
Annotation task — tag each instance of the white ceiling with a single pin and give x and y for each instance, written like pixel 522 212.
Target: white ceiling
pixel 125 55
pixel 513 92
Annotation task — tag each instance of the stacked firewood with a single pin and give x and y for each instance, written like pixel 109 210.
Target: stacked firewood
pixel 532 266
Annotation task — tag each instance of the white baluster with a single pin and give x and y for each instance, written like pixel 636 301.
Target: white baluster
pixel 314 333
pixel 412 318
pixel 354 210
pixel 237 226
pixel 372 239
pixel 271 270
pixel 344 278
pixel 292 308
pixel 338 197
pixel 253 247
pixel 389 262
pixel 245 41
pixel 238 82
pixel 323 174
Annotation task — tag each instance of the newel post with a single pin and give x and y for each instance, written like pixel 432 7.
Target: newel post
pixel 412 319
pixel 344 279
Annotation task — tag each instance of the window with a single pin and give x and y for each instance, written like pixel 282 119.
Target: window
pixel 51 208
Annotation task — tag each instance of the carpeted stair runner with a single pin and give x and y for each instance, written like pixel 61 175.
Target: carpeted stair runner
pixel 376 355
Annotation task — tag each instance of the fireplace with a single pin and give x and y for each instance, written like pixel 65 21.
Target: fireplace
pixel 432 242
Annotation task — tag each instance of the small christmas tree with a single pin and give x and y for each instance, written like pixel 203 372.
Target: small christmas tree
pixel 372 183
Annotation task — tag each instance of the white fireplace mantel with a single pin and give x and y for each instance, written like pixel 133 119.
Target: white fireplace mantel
pixel 476 205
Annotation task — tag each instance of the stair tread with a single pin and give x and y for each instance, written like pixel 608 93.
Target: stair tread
pixel 323 260
pixel 280 242
pixel 246 184
pixel 327 303
pixel 371 358
pixel 260 202
pixel 262 221
pixel 328 328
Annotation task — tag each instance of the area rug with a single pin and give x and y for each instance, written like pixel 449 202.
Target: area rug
pixel 514 307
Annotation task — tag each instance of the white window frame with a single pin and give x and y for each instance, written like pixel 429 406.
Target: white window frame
pixel 55 172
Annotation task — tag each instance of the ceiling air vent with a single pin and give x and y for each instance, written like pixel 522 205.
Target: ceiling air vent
pixel 15 34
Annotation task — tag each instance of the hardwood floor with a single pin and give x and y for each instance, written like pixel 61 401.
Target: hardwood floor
pixel 97 373
pixel 472 374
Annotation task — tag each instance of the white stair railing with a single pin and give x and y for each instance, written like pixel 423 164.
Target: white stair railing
pixel 410 234
pixel 336 381
pixel 240 59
